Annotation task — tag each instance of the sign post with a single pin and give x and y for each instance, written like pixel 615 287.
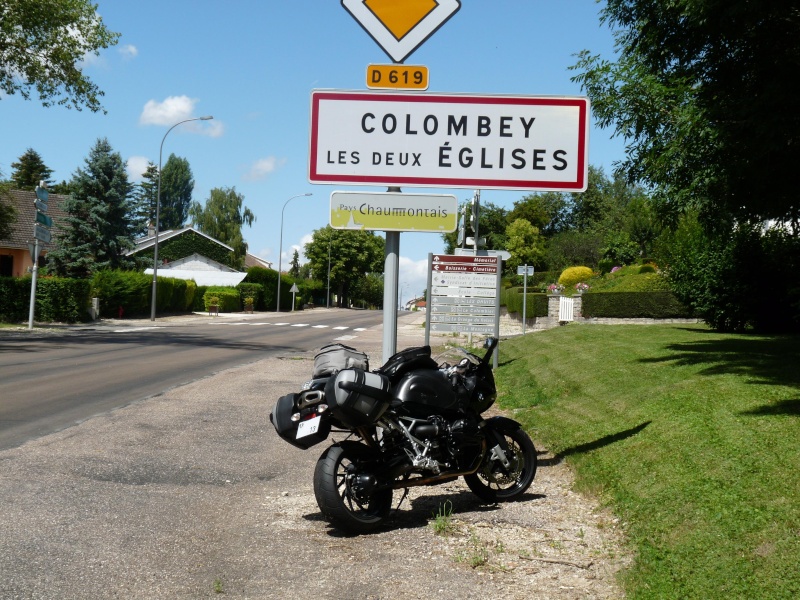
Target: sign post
pixel 40 233
pixel 524 270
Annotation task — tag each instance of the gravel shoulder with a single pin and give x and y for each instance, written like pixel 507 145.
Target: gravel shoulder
pixel 191 494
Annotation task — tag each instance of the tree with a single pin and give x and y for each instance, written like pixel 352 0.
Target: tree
pixel 353 254
pixel 96 232
pixel 222 218
pixel 547 211
pixel 8 213
pixel 699 92
pixel 492 222
pixel 526 245
pixel 177 184
pixel 143 201
pixel 43 45
pixel 294 268
pixel 29 170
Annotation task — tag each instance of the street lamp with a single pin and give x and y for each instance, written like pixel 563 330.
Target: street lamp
pixel 280 248
pixel 158 214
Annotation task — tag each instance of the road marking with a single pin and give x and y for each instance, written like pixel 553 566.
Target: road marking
pixel 341 327
pixel 301 325
pixel 346 337
pixel 360 329
pixel 135 329
pixel 320 326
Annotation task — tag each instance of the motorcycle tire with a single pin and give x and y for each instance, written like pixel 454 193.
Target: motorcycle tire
pixel 494 483
pixel 337 492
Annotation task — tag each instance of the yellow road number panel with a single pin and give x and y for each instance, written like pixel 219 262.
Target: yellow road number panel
pixel 397 77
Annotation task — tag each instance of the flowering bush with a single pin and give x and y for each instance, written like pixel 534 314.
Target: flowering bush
pixel 555 288
pixel 615 269
pixel 581 287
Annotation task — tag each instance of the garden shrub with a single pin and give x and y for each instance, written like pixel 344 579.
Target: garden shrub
pixel 57 299
pixel 574 275
pixel 228 297
pixel 631 305
pixel 251 290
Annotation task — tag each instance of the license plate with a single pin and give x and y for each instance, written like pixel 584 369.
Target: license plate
pixel 308 427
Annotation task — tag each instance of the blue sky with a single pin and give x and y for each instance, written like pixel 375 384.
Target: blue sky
pixel 253 65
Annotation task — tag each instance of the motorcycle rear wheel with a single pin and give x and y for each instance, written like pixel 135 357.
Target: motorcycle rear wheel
pixel 336 489
pixel 493 482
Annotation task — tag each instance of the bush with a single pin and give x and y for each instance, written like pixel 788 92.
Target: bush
pixel 57 299
pixel 574 275
pixel 631 305
pixel 227 298
pixel 254 291
pixel 535 305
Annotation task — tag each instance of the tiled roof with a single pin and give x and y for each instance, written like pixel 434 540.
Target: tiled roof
pixel 22 228
pixel 251 260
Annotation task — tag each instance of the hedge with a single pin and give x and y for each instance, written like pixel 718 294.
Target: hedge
pixel 58 299
pixel 228 298
pixel 535 305
pixel 631 305
pixel 129 293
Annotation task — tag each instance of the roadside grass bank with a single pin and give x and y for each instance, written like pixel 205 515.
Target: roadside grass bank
pixel 689 435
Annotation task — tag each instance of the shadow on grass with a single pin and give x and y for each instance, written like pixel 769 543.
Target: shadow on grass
pixel 765 359
pixel 606 440
pixel 782 407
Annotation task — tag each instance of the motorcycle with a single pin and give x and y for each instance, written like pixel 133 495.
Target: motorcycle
pixel 412 422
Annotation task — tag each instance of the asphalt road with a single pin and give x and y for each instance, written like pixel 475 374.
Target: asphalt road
pixel 53 379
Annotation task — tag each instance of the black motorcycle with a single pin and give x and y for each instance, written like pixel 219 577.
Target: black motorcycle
pixel 411 422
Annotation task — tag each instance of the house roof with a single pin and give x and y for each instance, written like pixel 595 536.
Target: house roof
pixel 251 260
pixel 22 227
pixel 149 241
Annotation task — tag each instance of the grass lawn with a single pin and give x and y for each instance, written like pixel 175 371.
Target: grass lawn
pixel 691 436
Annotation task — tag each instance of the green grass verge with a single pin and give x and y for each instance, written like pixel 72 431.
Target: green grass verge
pixel 689 435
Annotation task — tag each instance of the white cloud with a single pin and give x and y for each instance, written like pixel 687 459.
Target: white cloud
pixel 412 279
pixel 128 51
pixel 263 167
pixel 175 109
pixel 136 166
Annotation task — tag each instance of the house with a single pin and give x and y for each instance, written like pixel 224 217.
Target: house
pixel 190 254
pixel 15 255
pixel 251 260
pixel 416 304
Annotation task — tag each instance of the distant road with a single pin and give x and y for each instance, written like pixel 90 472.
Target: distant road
pixel 53 381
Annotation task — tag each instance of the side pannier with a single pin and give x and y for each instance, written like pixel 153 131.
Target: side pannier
pixel 334 357
pixel 357 398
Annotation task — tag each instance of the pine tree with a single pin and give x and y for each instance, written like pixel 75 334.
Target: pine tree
pixel 97 231
pixel 29 170
pixel 294 266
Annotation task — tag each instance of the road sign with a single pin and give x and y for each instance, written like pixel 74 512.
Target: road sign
pixel 401 26
pixel 41 233
pixel 390 211
pixel 463 293
pixel 449 140
pixel 43 219
pixel 40 206
pixel 41 193
pixel 397 77
pixel 524 270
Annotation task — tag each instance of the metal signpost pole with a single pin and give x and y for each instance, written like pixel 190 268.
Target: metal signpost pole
pixel 390 279
pixel 524 298
pixel 33 283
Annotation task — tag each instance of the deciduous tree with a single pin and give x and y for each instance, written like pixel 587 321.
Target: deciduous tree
pixel 222 218
pixel 177 184
pixel 42 46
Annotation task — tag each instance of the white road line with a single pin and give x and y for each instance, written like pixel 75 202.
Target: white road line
pixel 360 329
pixel 341 327
pixel 301 325
pixel 135 329
pixel 281 323
pixel 346 337
pixel 320 326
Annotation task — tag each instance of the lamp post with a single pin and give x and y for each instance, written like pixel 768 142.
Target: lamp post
pixel 280 248
pixel 158 214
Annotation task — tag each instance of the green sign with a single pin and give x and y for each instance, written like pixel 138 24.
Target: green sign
pixel 44 219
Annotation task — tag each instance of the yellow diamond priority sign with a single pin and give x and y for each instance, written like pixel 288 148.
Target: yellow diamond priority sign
pixel 401 26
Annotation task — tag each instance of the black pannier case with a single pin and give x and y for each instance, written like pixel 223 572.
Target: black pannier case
pixel 357 398
pixel 334 357
pixel 281 419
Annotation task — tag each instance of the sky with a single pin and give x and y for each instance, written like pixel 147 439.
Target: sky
pixel 252 65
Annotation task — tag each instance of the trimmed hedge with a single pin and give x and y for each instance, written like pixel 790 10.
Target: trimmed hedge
pixel 132 292
pixel 535 305
pixel 58 299
pixel 631 305
pixel 228 297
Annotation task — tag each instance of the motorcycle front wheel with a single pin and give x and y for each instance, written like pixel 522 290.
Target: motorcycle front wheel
pixel 342 485
pixel 493 481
